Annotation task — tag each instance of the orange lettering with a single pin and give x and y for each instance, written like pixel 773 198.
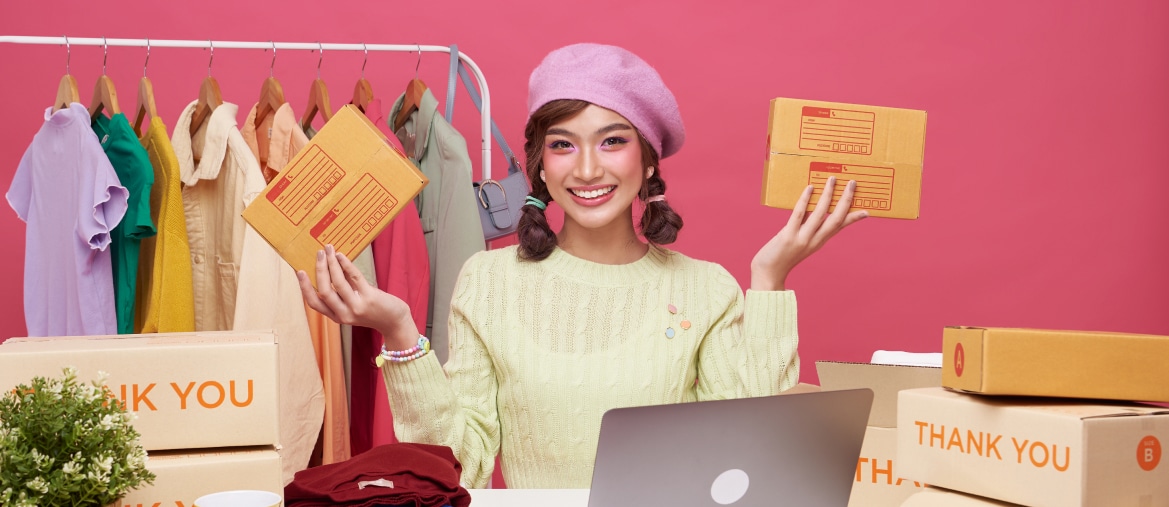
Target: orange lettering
pixel 940 435
pixel 142 397
pixel 182 394
pixel 1067 458
pixel 859 463
pixel 992 445
pixel 124 400
pixel 888 472
pixel 972 444
pixel 217 386
pixel 920 432
pixel 955 439
pixel 1019 448
pixel 245 402
pixel 1036 462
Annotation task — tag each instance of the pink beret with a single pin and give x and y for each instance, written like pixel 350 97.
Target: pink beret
pixel 614 79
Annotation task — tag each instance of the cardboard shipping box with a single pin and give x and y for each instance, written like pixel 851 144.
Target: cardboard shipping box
pixel 189 390
pixel 1071 364
pixel 342 189
pixel 937 497
pixel 885 381
pixel 1040 452
pixel 881 148
pixel 182 477
pixel 878 481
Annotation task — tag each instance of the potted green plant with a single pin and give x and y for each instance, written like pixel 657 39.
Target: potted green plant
pixel 67 442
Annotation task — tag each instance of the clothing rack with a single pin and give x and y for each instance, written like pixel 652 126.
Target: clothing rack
pixel 485 121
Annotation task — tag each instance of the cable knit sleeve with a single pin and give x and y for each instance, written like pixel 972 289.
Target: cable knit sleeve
pixel 750 346
pixel 460 413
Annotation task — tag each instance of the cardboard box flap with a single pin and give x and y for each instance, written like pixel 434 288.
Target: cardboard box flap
pixel 802 388
pixel 864 133
pixel 885 381
pixel 116 342
pixel 1064 408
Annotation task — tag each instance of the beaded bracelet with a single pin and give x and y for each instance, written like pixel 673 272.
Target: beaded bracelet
pixel 401 356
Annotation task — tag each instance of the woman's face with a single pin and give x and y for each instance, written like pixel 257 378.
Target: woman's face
pixel 593 167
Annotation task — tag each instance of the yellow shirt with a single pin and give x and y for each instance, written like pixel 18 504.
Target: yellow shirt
pixel 540 350
pixel 165 298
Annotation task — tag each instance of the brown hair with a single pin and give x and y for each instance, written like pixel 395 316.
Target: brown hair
pixel 659 223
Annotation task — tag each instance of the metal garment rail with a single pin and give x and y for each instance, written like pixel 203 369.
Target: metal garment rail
pixel 485 123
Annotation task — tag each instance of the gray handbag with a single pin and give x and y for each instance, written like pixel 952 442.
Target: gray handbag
pixel 500 201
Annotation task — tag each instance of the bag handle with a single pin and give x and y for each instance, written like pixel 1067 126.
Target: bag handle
pixel 513 165
pixel 451 83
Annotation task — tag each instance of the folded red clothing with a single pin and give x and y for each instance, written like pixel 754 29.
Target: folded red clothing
pixel 414 475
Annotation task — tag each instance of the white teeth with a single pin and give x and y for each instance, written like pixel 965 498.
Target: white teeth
pixel 593 194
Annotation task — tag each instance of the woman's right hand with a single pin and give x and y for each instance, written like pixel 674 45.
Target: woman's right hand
pixel 347 298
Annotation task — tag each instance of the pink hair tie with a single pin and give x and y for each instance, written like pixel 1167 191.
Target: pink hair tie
pixel 656 198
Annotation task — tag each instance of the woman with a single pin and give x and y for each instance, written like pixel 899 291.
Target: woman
pixel 547 335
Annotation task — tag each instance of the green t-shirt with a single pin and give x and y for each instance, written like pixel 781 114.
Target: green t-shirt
pixel 132 165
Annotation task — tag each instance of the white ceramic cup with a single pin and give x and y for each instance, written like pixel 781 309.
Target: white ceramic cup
pixel 240 499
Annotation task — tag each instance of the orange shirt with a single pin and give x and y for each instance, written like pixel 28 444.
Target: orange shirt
pixel 274 143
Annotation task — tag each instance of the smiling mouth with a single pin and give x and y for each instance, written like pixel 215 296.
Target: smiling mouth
pixel 592 194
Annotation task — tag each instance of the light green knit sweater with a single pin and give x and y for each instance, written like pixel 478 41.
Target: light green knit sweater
pixel 540 350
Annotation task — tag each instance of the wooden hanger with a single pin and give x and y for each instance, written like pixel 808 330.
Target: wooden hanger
pixel 413 100
pixel 209 96
pixel 66 93
pixel 271 98
pixel 362 91
pixel 318 101
pixel 318 98
pixel 362 94
pixel 145 96
pixel 67 89
pixel 105 96
pixel 271 93
pixel 146 104
pixel 414 91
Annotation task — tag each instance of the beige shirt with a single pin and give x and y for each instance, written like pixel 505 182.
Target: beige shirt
pixel 216 168
pixel 263 291
pixel 274 143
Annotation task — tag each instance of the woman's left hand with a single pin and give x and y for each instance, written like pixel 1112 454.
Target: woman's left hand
pixel 801 238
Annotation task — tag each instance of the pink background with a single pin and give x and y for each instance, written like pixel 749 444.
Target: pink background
pixel 1045 170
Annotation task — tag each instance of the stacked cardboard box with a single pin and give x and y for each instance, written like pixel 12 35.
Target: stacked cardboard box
pixel 1026 435
pixel 878 481
pixel 206 403
pixel 880 148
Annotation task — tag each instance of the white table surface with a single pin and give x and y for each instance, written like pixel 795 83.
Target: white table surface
pixel 529 497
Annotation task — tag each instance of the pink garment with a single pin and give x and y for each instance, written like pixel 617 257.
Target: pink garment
pixel 67 192
pixel 402 266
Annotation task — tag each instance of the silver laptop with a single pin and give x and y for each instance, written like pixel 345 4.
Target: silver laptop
pixel 792 449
